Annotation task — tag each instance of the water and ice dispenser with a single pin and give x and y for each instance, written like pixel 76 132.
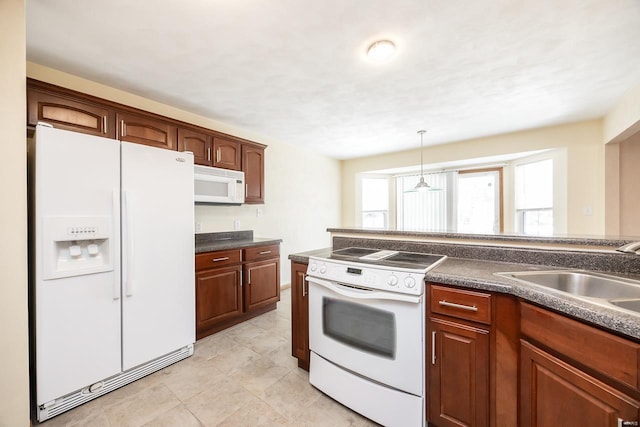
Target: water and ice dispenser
pixel 74 246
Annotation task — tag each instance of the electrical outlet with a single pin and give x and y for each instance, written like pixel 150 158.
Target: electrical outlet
pixel 258 212
pixel 198 227
pixel 236 224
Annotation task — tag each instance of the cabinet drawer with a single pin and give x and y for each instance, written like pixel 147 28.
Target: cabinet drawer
pixel 601 351
pixel 463 304
pixel 217 259
pixel 261 252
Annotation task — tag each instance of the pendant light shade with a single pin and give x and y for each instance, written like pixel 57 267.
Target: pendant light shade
pixel 422 185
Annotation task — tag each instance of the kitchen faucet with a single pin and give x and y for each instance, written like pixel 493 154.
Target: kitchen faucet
pixel 630 248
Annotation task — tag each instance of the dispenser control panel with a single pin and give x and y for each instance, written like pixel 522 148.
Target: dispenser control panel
pixel 78 245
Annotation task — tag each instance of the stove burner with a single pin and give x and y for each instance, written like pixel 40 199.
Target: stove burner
pixel 396 259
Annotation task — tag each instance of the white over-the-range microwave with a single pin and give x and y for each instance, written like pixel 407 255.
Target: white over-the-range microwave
pixel 218 186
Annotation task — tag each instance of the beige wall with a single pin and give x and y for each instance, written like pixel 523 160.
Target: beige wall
pixel 629 190
pixel 302 188
pixel 14 368
pixel 624 119
pixel 585 167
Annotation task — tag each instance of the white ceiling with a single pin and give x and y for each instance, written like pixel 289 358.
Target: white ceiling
pixel 295 70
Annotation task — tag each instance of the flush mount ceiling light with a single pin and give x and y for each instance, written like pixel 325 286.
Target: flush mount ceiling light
pixel 381 51
pixel 422 185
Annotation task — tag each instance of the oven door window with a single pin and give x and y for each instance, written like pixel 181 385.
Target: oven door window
pixel 359 326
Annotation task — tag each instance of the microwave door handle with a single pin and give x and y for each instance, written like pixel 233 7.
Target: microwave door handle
pixel 366 294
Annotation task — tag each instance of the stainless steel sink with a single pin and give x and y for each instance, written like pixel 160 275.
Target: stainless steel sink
pixel 615 291
pixel 632 304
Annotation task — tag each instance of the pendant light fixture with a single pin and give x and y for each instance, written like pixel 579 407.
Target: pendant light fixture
pixel 422 185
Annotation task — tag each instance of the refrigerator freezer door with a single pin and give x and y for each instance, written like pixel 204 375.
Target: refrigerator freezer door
pixel 158 307
pixel 77 316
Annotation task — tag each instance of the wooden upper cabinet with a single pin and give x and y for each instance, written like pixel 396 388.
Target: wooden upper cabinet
pixel 253 168
pixel 68 114
pixel 226 154
pixel 146 130
pixel 198 143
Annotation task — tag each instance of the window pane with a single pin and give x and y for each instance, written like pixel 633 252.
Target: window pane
pixel 478 202
pixel 534 185
pixel 424 210
pixel 374 219
pixel 537 222
pixel 375 194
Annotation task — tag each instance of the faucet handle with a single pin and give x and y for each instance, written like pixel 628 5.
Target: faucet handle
pixel 630 248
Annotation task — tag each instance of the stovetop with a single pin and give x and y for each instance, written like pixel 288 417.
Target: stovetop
pixel 396 259
pixel 391 271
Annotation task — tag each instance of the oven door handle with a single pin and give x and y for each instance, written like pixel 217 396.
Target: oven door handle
pixel 389 296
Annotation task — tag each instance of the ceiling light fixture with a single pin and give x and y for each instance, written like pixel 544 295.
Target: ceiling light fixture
pixel 381 51
pixel 422 185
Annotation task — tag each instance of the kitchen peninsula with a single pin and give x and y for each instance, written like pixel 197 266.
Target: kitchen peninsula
pixel 501 351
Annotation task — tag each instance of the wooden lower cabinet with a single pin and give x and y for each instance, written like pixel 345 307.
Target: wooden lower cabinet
pixel 458 380
pixel 300 315
pixel 555 393
pixel 262 286
pixel 219 296
pixel 471 358
pixel 235 285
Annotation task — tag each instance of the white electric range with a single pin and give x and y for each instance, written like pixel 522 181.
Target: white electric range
pixel 366 331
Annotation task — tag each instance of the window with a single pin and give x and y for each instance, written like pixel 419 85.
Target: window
pixel 479 204
pixel 375 202
pixel 467 202
pixel 534 197
pixel 429 210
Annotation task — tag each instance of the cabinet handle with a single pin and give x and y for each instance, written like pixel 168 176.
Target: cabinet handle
pixel 248 277
pixel 209 154
pixel 460 306
pixel 220 259
pixel 104 124
pixel 304 286
pixel 246 189
pixel 433 347
pixel 218 155
pixel 123 128
pixel 264 252
pixel 623 423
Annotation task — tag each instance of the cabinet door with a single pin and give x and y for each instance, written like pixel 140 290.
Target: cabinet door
pixel 458 374
pixel 262 286
pixel 146 130
pixel 227 154
pixel 196 142
pixel 300 315
pixel 253 167
pixel 69 114
pixel 218 296
pixel 554 393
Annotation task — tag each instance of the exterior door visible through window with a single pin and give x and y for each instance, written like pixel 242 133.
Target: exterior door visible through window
pixel 479 201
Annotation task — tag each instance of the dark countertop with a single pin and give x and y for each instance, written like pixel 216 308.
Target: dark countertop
pixel 209 242
pixel 604 241
pixel 480 275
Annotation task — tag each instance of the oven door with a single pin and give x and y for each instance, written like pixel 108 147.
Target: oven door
pixel 375 334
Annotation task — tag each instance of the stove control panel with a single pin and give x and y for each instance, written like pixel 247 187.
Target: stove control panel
pixel 367 276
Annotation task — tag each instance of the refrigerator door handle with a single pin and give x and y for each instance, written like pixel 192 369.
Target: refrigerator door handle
pixel 128 213
pixel 116 214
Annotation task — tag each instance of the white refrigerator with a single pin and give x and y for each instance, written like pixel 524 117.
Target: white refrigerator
pixel 112 264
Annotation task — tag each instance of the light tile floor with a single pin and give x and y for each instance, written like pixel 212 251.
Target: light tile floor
pixel 243 376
